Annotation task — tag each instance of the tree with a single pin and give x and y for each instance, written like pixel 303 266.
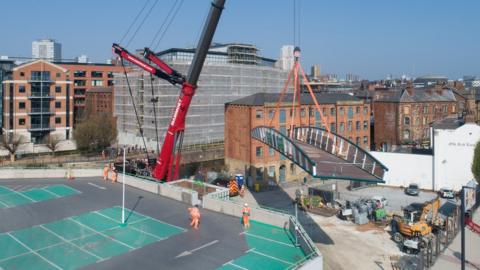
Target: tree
pixel 476 162
pixel 11 143
pixel 52 142
pixel 95 132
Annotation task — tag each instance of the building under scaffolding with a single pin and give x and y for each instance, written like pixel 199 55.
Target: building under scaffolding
pixel 230 72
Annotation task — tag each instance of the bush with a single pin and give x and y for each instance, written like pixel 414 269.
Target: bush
pixel 476 163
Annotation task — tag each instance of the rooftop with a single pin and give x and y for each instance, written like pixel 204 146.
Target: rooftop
pixel 260 99
pixel 448 123
pixel 419 95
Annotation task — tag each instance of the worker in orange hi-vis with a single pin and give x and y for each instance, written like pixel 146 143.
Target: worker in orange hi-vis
pixel 105 172
pixel 194 216
pixel 246 216
pixel 114 175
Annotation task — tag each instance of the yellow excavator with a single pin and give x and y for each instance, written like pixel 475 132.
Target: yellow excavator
pixel 414 230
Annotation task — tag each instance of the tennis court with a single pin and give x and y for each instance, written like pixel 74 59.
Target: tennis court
pixel 77 241
pixel 11 198
pixel 270 248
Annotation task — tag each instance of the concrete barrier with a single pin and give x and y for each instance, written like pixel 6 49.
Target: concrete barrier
pixel 140 183
pixel 178 193
pixel 13 173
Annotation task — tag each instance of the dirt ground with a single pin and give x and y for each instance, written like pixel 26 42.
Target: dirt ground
pixel 356 246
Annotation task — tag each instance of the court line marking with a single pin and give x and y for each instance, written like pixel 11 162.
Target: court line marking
pixel 102 234
pixel 68 187
pixel 7 206
pixel 68 242
pixel 235 265
pixel 54 194
pixel 268 239
pixel 271 257
pixel 34 252
pixel 180 228
pixel 23 195
pixel 135 229
pixel 97 186
pixel 42 248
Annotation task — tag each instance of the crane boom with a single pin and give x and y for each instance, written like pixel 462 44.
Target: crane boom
pixel 168 161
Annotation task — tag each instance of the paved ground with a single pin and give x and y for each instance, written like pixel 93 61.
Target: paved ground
pixel 81 229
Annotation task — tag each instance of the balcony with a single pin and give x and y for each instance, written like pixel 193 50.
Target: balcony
pixel 34 95
pixel 38 79
pixel 40 127
pixel 37 111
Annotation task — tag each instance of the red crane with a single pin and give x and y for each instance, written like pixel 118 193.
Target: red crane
pixel 168 161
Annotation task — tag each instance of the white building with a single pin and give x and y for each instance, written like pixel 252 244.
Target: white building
pixel 449 166
pixel 286 59
pixel 47 49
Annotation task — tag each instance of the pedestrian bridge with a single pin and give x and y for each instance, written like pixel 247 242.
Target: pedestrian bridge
pixel 323 154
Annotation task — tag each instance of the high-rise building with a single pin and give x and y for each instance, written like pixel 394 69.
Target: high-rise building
pixel 315 72
pixel 286 59
pixel 228 74
pixel 38 101
pixel 47 49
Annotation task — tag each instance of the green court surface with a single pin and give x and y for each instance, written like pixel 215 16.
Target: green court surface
pixel 81 240
pixel 12 198
pixel 270 248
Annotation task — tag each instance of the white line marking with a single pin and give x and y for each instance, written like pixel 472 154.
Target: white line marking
pixel 34 252
pixel 105 216
pixel 102 234
pixel 147 217
pixel 54 194
pixel 249 250
pixel 238 266
pixel 135 229
pixel 23 195
pixel 271 257
pixel 97 186
pixel 7 206
pixel 61 237
pixel 268 239
pixel 189 252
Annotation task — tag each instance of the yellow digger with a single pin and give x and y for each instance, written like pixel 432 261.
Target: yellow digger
pixel 413 231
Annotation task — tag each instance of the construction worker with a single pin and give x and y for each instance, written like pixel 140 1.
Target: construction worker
pixel 246 216
pixel 106 169
pixel 114 175
pixel 194 216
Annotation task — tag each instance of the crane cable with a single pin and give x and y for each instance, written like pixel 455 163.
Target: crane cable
pixel 134 21
pixel 141 24
pixel 135 108
pixel 172 13
pixel 154 101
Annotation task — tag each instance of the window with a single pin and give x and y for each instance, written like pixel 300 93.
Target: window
pixel 453 108
pixel 271 171
pixel 357 125
pixel 292 168
pixel 350 112
pixel 435 109
pixel 40 75
pixel 406 134
pixel 365 125
pixel 110 74
pixel 79 73
pixel 110 83
pixel 357 140
pixel 357 110
pixel 259 114
pixel 271 151
pixel 97 83
pixel 21 89
pixel 282 116
pixel 58 105
pixel 22 74
pixel 417 121
pixel 58 120
pixel 365 140
pixel 406 120
pixel 96 74
pixel 259 151
pixel 341 111
pixel 342 127
pixel 79 82
pixel 425 109
pixel 302 112
pixel 58 74
pixel 259 174
pixel 406 109
pixel 21 105
pixel 58 89
pixel 445 108
pixel 311 112
pixel 349 125
pixel 424 120
pixel 365 110
pixel 21 121
pixel 332 127
pixel 271 113
pixel 332 111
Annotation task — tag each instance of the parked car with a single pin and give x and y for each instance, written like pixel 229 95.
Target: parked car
pixel 412 190
pixel 379 198
pixel 223 182
pixel 447 193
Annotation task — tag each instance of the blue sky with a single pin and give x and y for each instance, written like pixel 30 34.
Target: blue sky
pixel 370 38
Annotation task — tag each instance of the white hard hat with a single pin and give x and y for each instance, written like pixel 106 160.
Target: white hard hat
pixel 246 204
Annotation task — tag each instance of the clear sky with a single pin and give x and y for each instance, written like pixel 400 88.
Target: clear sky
pixel 370 38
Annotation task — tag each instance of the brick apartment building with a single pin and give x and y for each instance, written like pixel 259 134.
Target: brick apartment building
pixel 86 77
pixel 346 115
pixel 404 117
pixel 99 100
pixel 38 101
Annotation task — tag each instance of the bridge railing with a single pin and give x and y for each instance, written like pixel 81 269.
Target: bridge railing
pixel 341 148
